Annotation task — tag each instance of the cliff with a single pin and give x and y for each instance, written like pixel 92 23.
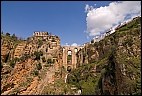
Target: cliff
pixel 27 64
pixel 111 66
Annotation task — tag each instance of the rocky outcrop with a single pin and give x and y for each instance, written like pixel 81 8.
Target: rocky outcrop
pixel 25 63
pixel 117 59
pixel 19 51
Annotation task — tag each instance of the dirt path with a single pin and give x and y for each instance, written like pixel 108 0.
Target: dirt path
pixel 46 80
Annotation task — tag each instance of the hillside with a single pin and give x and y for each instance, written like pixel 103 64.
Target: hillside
pixel 26 64
pixel 111 66
pixel 39 65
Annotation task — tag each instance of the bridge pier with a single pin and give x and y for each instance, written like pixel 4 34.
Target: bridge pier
pixel 74 50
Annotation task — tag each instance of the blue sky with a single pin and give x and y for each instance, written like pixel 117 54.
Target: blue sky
pixel 67 19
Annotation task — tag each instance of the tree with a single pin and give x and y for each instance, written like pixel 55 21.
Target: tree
pixel 28 39
pixel 43 59
pixel 6 58
pixel 49 61
pixel 92 41
pixel 39 66
pixel 22 58
pixel 7 34
pixel 12 63
pixel 88 87
pixel 41 53
pixel 35 72
pixel 14 37
pixel 53 40
pixel 16 59
pixel 40 43
pixel 37 54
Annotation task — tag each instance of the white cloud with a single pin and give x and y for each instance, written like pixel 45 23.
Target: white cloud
pixel 74 44
pixel 66 44
pixel 101 19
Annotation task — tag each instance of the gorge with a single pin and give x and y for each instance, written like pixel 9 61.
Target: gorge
pixel 40 65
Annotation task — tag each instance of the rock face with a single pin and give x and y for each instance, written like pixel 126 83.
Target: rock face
pixel 5 49
pixel 19 50
pixel 24 60
pixel 117 61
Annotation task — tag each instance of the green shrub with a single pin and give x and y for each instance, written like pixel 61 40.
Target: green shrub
pixel 43 59
pixel 16 59
pixel 35 72
pixel 38 54
pixel 92 41
pixel 40 43
pixel 23 84
pixel 39 66
pixel 7 34
pixel 41 53
pixel 14 37
pixel 88 88
pixel 53 61
pixel 49 61
pixel 128 41
pixel 53 40
pixel 47 65
pixel 12 63
pixel 22 59
pixel 6 58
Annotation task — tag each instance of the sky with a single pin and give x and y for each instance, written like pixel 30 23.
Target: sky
pixel 75 22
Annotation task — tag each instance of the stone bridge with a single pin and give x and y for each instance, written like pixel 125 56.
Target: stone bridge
pixel 70 51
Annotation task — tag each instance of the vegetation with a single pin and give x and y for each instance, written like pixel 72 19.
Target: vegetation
pixel 84 79
pixel 116 57
pixel 40 43
pixel 14 37
pixel 92 41
pixel 39 67
pixel 12 63
pixel 38 54
pixel 59 88
pixel 43 59
pixel 7 34
pixel 6 58
pixel 50 61
pixel 133 24
pixel 35 72
pixel 53 40
pixel 69 57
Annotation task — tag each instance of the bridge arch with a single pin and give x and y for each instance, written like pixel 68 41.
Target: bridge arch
pixel 73 50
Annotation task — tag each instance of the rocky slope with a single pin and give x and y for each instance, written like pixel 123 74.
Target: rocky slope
pixel 26 64
pixel 111 66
